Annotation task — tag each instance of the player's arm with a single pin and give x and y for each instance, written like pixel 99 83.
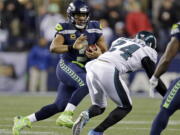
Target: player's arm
pixel 149 66
pixel 58 46
pixel 172 48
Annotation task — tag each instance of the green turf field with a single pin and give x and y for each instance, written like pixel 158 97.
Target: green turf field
pixel 138 122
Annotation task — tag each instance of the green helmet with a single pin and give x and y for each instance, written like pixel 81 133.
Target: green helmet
pixel 148 38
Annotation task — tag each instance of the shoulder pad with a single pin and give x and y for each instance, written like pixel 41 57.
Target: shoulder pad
pixel 100 25
pixel 58 27
pixel 95 24
pixel 175 29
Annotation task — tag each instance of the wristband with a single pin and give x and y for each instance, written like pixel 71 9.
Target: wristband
pixel 70 48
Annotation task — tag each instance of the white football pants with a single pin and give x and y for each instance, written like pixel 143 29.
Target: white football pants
pixel 103 81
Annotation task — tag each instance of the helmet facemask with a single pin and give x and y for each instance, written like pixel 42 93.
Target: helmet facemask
pixel 78 14
pixel 80 20
pixel 148 38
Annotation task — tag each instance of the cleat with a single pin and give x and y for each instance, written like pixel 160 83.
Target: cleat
pixel 65 119
pixel 92 132
pixel 20 123
pixel 80 123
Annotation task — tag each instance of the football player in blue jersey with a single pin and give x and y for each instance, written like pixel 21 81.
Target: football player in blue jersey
pixel 171 101
pixel 71 41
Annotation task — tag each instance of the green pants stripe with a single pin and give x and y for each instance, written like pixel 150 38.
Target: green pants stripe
pixel 71 73
pixel 171 95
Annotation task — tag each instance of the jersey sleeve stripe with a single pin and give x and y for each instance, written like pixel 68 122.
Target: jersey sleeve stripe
pixel 94 31
pixel 67 32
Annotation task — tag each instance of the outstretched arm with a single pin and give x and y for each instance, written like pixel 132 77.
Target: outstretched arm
pixel 149 66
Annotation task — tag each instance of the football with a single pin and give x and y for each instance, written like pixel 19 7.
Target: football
pixel 91 48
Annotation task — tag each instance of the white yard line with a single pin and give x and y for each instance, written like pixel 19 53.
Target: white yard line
pixel 5 131
pixel 171 122
pixel 8 132
pixel 43 126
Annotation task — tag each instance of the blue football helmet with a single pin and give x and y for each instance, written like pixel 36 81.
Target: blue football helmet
pixel 148 38
pixel 78 14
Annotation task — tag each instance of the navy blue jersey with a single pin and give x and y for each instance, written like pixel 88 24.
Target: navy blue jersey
pixel 175 31
pixel 70 34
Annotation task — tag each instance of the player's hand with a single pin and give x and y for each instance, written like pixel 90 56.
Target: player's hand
pixel 94 53
pixel 153 84
pixel 80 42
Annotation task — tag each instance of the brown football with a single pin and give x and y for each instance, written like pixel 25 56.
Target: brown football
pixel 91 48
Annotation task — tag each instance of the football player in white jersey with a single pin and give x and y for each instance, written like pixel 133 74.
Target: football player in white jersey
pixel 171 101
pixel 104 79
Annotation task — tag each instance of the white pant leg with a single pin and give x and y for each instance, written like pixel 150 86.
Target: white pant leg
pixel 111 85
pixel 96 93
pixel 115 87
pixel 126 89
pixel 43 81
pixel 33 79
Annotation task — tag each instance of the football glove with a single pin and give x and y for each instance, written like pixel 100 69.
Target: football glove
pixel 153 84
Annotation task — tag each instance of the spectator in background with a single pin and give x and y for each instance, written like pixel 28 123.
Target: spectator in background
pixel 147 6
pixel 3 38
pixel 118 32
pixel 177 8
pixel 114 12
pixel 41 13
pixel 2 17
pixel 29 24
pixel 97 9
pixel 106 30
pixel 12 23
pixel 38 61
pixel 3 30
pixel 49 22
pixel 166 17
pixel 136 20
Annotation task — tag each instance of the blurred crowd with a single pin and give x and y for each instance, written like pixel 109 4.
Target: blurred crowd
pixel 23 22
pixel 28 25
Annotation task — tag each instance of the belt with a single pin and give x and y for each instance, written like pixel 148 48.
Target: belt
pixel 78 63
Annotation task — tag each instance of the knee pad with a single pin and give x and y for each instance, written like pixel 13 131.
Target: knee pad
pixel 120 113
pixel 127 108
pixel 95 110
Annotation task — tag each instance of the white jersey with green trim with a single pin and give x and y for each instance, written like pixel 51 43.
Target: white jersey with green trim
pixel 126 54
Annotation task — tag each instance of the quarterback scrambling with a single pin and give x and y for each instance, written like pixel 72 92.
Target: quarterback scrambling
pixel 71 41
